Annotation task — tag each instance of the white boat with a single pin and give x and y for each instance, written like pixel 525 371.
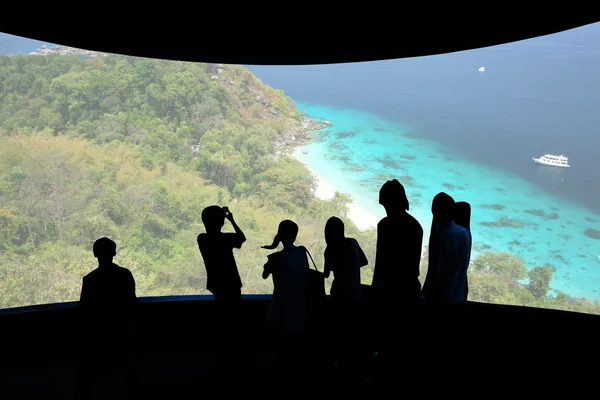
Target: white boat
pixel 553 161
pixel 481 69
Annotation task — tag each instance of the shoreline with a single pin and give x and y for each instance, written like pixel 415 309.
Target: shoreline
pixel 303 135
pixel 511 228
pixel 357 213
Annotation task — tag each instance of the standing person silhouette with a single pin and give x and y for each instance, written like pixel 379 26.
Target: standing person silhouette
pixel 223 279
pixel 344 257
pixel 445 288
pixel 109 289
pixel 216 247
pixel 396 279
pixel 109 305
pixel 449 248
pixel 287 314
pixel 462 217
pixel 399 247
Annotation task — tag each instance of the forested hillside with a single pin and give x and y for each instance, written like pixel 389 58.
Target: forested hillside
pixel 104 147
pixel 134 149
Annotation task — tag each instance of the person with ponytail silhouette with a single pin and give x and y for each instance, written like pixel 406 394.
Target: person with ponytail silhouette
pixel 287 314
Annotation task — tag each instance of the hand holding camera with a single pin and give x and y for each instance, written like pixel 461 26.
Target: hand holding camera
pixel 227 213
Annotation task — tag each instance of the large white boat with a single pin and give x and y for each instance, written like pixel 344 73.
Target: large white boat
pixel 481 69
pixel 552 160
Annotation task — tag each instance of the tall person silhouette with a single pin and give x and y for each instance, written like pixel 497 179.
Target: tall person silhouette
pixel 399 247
pixel 396 281
pixel 109 304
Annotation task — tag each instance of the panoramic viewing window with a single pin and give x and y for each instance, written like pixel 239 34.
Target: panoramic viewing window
pixel 95 144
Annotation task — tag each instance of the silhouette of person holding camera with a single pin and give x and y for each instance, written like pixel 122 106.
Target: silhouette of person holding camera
pixel 223 280
pixel 222 276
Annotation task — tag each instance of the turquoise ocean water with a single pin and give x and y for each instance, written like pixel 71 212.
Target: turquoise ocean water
pixel 360 151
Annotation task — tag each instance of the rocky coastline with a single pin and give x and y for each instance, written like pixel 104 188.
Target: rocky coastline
pixel 65 51
pixel 299 134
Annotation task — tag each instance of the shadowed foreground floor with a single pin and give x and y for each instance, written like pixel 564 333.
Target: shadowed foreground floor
pixel 184 376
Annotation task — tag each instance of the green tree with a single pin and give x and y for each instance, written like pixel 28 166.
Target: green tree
pixel 539 281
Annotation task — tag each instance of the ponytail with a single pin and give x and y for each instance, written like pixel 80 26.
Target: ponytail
pixel 274 245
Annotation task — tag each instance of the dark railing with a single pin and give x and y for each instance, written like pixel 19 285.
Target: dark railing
pixel 515 343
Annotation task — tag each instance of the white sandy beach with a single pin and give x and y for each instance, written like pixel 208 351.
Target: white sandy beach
pixel 362 218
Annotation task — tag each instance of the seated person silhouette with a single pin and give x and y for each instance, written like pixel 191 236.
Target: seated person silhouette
pixel 222 276
pixel 109 303
pixel 449 246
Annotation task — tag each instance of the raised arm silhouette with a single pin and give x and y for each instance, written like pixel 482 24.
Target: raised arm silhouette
pixel 224 282
pixel 222 276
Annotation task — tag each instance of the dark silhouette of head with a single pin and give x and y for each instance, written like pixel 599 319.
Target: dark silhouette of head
pixel 392 197
pixel 442 208
pixel 462 214
pixel 334 231
pixel 213 219
pixel 286 234
pixel 104 250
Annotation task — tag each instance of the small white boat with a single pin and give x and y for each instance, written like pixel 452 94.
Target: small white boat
pixel 481 69
pixel 553 161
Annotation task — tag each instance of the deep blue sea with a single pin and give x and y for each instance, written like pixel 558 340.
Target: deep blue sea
pixel 438 124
